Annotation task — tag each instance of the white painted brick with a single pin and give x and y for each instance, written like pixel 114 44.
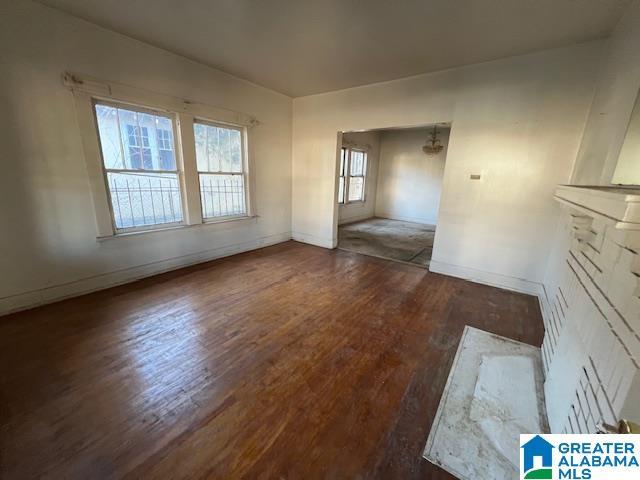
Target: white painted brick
pixel 623 285
pixel 627 259
pixel 607 415
pixel 580 220
pixel 569 426
pixel 610 251
pixel 591 425
pixel 600 308
pixel 593 404
pixel 625 238
pixel 630 310
pixel 624 377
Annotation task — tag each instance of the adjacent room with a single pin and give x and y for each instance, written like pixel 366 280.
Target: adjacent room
pixel 389 187
pixel 317 239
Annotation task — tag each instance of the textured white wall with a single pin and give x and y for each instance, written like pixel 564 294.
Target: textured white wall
pixel 517 121
pixel 410 182
pixel 628 167
pixel 48 239
pixel 613 103
pixel 352 212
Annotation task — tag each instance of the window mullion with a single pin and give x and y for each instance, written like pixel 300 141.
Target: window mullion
pixel 347 175
pixel 190 177
pixel 138 134
pixel 124 158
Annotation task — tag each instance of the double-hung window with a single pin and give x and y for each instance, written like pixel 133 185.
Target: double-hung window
pixel 165 148
pixel 156 161
pixel 221 170
pixel 352 175
pixel 342 174
pixel 140 167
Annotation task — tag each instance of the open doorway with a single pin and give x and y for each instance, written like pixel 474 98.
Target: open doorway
pixel 389 186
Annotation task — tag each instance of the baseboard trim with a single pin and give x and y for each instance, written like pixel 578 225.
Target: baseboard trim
pixel 313 240
pixel 421 221
pixel 488 278
pixel 34 298
pixel 355 218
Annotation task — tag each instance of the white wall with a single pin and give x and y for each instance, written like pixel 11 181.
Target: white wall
pixel 369 141
pixel 409 181
pixel 590 304
pixel 628 167
pixel 613 103
pixel 517 121
pixel 48 239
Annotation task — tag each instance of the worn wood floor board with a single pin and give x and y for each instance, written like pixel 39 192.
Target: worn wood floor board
pixel 286 362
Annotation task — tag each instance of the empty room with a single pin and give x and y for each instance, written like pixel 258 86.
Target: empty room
pixel 320 239
pixel 390 183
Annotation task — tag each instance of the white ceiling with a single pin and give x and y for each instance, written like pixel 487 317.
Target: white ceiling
pixel 301 47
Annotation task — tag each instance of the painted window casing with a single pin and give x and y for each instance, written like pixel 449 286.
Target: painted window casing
pixel 352 175
pixel 163 145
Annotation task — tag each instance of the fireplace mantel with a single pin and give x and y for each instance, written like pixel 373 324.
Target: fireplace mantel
pixel 591 350
pixel 617 203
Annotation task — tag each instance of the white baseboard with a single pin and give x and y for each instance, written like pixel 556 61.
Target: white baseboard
pixel 488 278
pixel 355 218
pixel 390 216
pixel 313 240
pixel 75 288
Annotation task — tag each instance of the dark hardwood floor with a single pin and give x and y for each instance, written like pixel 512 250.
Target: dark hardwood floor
pixel 290 362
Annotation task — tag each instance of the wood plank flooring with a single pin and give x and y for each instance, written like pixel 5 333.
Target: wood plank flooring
pixel 290 362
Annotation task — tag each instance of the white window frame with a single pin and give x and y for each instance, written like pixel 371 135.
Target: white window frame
pixel 87 91
pixel 161 141
pixel 105 171
pixel 347 175
pixel 244 173
pixel 137 134
pixel 342 174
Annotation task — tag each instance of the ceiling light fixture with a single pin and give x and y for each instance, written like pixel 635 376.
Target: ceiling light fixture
pixel 433 145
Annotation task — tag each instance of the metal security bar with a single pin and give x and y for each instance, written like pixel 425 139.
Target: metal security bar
pixel 144 199
pixel 140 166
pixel 222 195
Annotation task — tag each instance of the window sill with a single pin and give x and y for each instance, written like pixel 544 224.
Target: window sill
pixel 213 221
pixel 206 224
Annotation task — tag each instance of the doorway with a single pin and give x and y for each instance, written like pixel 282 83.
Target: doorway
pixel 389 184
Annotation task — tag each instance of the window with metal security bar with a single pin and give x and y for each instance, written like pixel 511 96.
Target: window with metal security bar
pixel 221 171
pixel 156 162
pixel 140 167
pixel 352 174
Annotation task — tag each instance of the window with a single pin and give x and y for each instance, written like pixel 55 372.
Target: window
pixel 342 174
pixel 357 167
pixel 155 161
pixel 221 171
pixel 140 167
pixel 138 147
pixel 352 173
pixel 165 148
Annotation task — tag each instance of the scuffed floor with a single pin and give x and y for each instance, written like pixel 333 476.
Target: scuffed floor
pixel 391 239
pixel 493 394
